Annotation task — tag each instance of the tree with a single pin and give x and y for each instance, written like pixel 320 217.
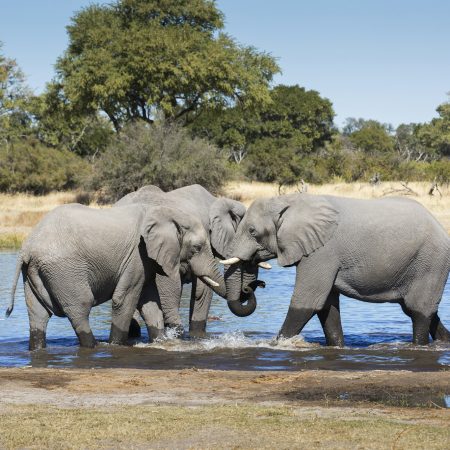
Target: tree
pixel 435 136
pixel 409 146
pixel 140 58
pixel 352 124
pixel 59 124
pixel 26 165
pixel 370 136
pixel 14 94
pixel 296 121
pixel 301 118
pixel 160 154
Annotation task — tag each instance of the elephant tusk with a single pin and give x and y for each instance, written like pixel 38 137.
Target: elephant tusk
pixel 265 265
pixel 208 280
pixel 230 261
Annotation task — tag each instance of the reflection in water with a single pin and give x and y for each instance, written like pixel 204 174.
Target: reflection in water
pixel 377 337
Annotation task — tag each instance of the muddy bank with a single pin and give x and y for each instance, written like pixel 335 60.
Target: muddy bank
pixel 204 387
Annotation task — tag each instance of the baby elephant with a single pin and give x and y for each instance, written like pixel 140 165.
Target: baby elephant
pixel 78 257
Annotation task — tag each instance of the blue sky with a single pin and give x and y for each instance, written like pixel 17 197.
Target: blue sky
pixel 376 59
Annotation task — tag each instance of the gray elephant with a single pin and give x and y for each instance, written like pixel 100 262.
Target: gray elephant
pixel 220 218
pixel 384 250
pixel 78 257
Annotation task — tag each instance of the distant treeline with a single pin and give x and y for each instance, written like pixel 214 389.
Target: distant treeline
pixel 151 92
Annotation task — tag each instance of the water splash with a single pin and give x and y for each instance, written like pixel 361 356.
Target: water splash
pixel 233 340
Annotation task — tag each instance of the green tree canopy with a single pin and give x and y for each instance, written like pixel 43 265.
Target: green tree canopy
pixel 435 136
pixel 14 95
pixel 137 58
pixel 58 124
pixel 296 118
pixel 370 136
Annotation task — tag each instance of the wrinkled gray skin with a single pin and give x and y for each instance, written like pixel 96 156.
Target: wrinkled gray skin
pixel 220 217
pixel 78 257
pixel 384 250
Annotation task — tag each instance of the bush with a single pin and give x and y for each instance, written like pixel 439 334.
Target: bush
pixel 29 166
pixel 160 154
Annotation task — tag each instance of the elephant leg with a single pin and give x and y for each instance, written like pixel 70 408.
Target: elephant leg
pixel 421 304
pixel 153 317
pixel 38 317
pixel 169 292
pixel 135 328
pixel 438 331
pixel 421 325
pixel 124 303
pixel 421 328
pixel 76 301
pixel 80 323
pixel 150 310
pixel 313 284
pixel 330 318
pixel 201 296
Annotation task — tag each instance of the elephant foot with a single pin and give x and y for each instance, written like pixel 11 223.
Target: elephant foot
pixel 155 333
pixel 296 319
pixel 197 328
pixel 421 329
pixel 438 331
pixel 87 340
pixel 37 340
pixel 135 329
pixel 118 336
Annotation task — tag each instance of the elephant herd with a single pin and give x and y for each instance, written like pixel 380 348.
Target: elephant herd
pixel 141 251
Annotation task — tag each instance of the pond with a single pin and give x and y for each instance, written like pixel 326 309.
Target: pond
pixel 377 336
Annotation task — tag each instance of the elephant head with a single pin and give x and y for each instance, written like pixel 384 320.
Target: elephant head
pixel 240 279
pixel 287 227
pixel 173 238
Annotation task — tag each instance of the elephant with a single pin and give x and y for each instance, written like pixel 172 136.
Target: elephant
pixel 79 257
pixel 220 218
pixel 378 250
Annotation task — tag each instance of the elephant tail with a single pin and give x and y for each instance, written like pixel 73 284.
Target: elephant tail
pixel 16 279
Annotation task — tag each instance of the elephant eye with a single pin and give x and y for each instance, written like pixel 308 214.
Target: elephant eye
pixel 197 247
pixel 252 230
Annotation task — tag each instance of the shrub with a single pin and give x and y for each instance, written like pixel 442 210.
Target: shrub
pixel 161 154
pixel 29 166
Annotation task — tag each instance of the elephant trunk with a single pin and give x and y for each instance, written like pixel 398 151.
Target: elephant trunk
pixel 241 281
pixel 246 305
pixel 206 268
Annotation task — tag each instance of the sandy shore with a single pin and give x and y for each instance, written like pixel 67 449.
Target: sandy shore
pixel 47 408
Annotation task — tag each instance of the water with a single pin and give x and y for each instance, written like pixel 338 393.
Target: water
pixel 377 336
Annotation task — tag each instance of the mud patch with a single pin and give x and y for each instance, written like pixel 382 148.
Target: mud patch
pixel 39 379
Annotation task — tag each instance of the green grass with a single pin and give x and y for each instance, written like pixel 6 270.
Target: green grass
pixel 11 240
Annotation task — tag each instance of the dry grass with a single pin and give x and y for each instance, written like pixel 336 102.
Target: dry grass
pixel 246 192
pixel 220 426
pixel 19 213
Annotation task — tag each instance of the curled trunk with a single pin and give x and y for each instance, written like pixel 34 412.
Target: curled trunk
pixel 241 282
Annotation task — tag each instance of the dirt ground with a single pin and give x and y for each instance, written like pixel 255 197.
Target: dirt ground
pixel 47 408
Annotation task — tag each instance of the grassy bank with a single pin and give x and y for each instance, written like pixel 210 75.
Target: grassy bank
pixel 117 408
pixel 222 426
pixel 19 213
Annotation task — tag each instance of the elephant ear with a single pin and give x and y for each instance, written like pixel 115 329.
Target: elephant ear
pixel 304 225
pixel 162 231
pixel 224 218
